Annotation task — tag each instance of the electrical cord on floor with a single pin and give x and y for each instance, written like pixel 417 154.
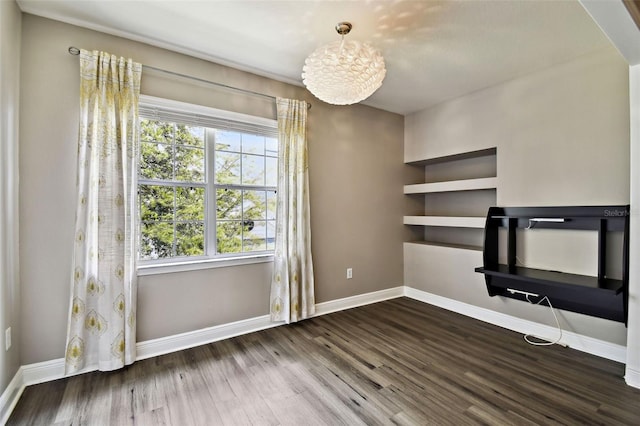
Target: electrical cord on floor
pixel 527 337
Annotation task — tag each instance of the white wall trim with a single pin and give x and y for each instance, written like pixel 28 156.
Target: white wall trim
pixel 191 339
pixel 10 396
pixel 633 327
pixel 632 377
pixel 46 371
pixel 178 342
pixel 576 341
pixel 359 300
pixel 617 24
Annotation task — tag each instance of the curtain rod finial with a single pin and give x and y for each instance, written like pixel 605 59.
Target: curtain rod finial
pixel 74 50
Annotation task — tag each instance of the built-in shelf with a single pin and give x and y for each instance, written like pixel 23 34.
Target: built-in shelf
pixel 446 221
pixel 449 201
pixel 450 186
pixel 453 157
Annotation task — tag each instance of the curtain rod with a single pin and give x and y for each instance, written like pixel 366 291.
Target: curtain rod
pixel 75 51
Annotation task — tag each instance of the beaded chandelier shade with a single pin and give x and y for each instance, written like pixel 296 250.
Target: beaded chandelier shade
pixel 344 72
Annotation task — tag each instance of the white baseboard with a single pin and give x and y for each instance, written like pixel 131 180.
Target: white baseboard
pixel 41 372
pixel 10 396
pixel 32 374
pixel 577 341
pixel 178 342
pixel 358 300
pixel 191 339
pixel 632 377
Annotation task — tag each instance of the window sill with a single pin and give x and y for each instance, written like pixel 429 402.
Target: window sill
pixel 194 265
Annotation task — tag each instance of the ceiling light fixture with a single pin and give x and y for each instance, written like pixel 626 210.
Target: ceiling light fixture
pixel 344 72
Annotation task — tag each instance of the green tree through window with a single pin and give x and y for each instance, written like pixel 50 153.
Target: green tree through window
pixel 205 192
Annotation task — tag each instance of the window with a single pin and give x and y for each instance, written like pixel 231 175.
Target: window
pixel 206 183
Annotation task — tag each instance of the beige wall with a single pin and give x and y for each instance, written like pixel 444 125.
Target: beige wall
pixel 356 173
pixel 562 138
pixel 10 21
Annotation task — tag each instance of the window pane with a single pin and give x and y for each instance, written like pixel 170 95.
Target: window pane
pixel 155 161
pixel 189 164
pixel 189 203
pixel 156 131
pixel 271 204
pixel 227 168
pixel 190 239
pixel 255 205
pixel 156 202
pixel 271 147
pixel 255 235
pixel 228 203
pixel 272 171
pixel 175 220
pixel 229 237
pixel 156 240
pixel 190 135
pixel 252 170
pixel 271 235
pixel 227 141
pixel 252 144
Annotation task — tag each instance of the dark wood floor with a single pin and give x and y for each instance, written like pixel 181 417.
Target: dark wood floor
pixel 395 362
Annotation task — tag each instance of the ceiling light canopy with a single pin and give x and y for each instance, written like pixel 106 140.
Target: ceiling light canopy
pixel 344 72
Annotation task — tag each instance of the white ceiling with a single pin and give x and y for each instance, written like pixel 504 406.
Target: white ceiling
pixel 434 50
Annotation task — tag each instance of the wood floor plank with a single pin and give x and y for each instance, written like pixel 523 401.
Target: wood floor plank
pixel 232 412
pixel 396 362
pixel 155 417
pixel 67 406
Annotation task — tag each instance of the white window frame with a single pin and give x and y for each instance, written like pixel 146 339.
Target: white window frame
pixel 212 118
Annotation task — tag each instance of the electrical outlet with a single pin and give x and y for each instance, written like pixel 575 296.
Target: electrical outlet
pixel 7 339
pixel 349 273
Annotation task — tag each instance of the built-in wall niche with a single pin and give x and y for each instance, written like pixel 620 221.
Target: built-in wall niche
pixel 475 165
pixel 469 238
pixel 455 193
pixel 460 203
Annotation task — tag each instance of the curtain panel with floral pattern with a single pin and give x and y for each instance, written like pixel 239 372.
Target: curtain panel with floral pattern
pixel 292 285
pixel 102 318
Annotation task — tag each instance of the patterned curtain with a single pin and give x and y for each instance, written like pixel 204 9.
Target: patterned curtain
pixel 292 293
pixel 101 329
